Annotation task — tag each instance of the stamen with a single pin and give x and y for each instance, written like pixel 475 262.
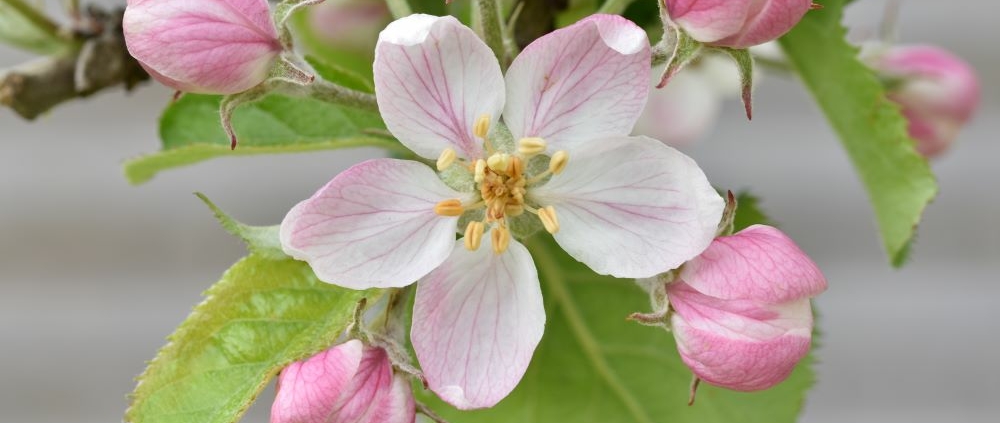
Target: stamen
pixel 549 219
pixel 480 172
pixel 446 159
pixel 558 162
pixel 449 208
pixel 531 146
pixel 474 235
pixel 501 239
pixel 482 126
pixel 499 162
pixel 516 167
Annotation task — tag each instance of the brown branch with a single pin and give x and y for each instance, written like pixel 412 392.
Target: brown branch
pixel 101 62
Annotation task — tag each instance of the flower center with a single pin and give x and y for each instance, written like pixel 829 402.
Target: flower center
pixel 502 183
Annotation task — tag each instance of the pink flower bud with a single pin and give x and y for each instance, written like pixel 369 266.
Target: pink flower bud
pixel 938 92
pixel 203 46
pixel 736 23
pixel 350 24
pixel 742 317
pixel 349 383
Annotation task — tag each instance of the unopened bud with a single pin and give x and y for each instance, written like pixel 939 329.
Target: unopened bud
pixel 736 24
pixel 169 39
pixel 344 384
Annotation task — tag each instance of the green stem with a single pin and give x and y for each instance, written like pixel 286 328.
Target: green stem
pixel 333 93
pixel 614 7
pixel 399 8
pixel 32 14
pixel 492 26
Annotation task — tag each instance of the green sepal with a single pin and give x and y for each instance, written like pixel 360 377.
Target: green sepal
pixel 744 64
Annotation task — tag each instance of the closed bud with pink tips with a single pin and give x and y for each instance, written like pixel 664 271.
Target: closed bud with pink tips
pixel 938 91
pixel 741 311
pixel 349 383
pixel 736 24
pixel 203 46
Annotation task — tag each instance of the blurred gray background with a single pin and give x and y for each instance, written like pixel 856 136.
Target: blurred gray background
pixel 94 273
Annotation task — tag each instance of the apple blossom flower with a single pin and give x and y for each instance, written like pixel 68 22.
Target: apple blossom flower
pixel 625 206
pixel 736 24
pixel 938 91
pixel 349 383
pixel 740 311
pixel 203 46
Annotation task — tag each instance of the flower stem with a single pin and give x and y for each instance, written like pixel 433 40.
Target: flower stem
pixel 615 7
pixel 333 93
pixel 492 27
pixel 32 14
pixel 399 8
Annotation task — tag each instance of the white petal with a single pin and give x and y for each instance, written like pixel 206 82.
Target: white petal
pixel 585 81
pixel 433 78
pixel 373 225
pixel 632 207
pixel 476 322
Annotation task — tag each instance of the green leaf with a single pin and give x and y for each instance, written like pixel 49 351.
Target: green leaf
pixel 594 366
pixel 899 181
pixel 260 240
pixel 191 132
pixel 262 315
pixel 25 27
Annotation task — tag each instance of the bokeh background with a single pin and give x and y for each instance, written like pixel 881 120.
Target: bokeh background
pixel 94 273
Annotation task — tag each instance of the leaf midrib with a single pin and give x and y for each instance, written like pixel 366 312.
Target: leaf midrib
pixel 588 343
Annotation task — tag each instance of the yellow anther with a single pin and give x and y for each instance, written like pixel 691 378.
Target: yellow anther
pixel 449 208
pixel 482 126
pixel 499 162
pixel 474 235
pixel 446 159
pixel 501 239
pixel 558 162
pixel 480 173
pixel 549 219
pixel 516 167
pixel 531 146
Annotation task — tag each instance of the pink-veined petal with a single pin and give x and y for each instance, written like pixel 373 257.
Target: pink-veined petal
pixel 766 21
pixel 631 207
pixel 309 391
pixel 203 46
pixel 739 344
pixel 374 395
pixel 758 263
pixel 709 20
pixel 373 225
pixel 476 322
pixel 397 405
pixel 433 78
pixel 585 81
